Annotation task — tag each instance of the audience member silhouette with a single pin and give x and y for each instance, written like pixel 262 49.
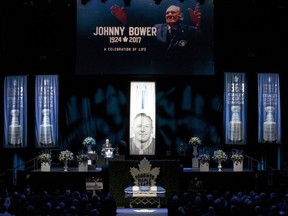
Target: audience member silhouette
pixel 57 203
pixel 200 203
pixel 228 204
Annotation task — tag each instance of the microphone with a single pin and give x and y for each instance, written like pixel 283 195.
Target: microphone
pixel 123 143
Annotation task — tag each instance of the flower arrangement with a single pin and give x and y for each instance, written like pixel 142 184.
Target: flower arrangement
pixel 45 157
pixel 66 156
pixel 237 157
pixel 195 141
pixel 204 158
pixel 82 157
pixel 89 141
pixel 219 155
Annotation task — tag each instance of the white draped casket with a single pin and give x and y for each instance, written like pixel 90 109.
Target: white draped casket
pixel 144 191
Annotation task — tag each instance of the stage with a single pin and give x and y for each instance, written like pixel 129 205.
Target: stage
pixel 58 179
pixel 116 176
pixel 193 180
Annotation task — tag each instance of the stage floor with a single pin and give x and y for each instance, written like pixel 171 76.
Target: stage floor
pixel 70 170
pixel 188 169
pixel 173 178
pixel 73 179
pixel 227 179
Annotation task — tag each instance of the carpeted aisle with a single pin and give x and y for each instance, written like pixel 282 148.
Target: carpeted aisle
pixel 142 211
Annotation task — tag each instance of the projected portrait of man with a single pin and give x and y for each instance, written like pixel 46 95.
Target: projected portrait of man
pixel 175 41
pixel 142 142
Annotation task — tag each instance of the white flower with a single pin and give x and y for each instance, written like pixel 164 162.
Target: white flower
pixel 219 155
pixel 89 141
pixel 82 157
pixel 195 141
pixel 45 157
pixel 237 157
pixel 66 156
pixel 204 158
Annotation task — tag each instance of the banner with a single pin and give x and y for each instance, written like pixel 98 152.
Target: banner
pixel 142 118
pixel 46 110
pixel 269 114
pixel 15 111
pixel 171 37
pixel 235 108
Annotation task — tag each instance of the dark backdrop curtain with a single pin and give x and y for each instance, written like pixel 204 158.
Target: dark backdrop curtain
pixel 184 108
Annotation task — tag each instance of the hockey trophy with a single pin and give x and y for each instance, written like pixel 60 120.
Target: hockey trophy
pixel 235 125
pixel 46 129
pixel 15 130
pixel 269 131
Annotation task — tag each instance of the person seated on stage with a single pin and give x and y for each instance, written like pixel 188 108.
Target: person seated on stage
pixel 107 144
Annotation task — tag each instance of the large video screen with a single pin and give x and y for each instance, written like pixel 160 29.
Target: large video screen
pixel 145 37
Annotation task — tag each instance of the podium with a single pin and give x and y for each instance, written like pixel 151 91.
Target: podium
pixel 108 154
pixel 101 160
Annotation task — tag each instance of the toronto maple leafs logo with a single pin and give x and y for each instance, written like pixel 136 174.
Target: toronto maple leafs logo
pixel 125 39
pixel 182 43
pixel 14 82
pixel 269 79
pixel 145 173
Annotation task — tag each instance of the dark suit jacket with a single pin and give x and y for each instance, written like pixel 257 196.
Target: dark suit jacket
pixel 150 150
pixel 176 46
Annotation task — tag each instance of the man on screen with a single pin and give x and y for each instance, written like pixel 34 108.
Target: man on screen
pixel 176 42
pixel 142 142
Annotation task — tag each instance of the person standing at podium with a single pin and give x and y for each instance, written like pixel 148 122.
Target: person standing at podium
pixel 107 144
